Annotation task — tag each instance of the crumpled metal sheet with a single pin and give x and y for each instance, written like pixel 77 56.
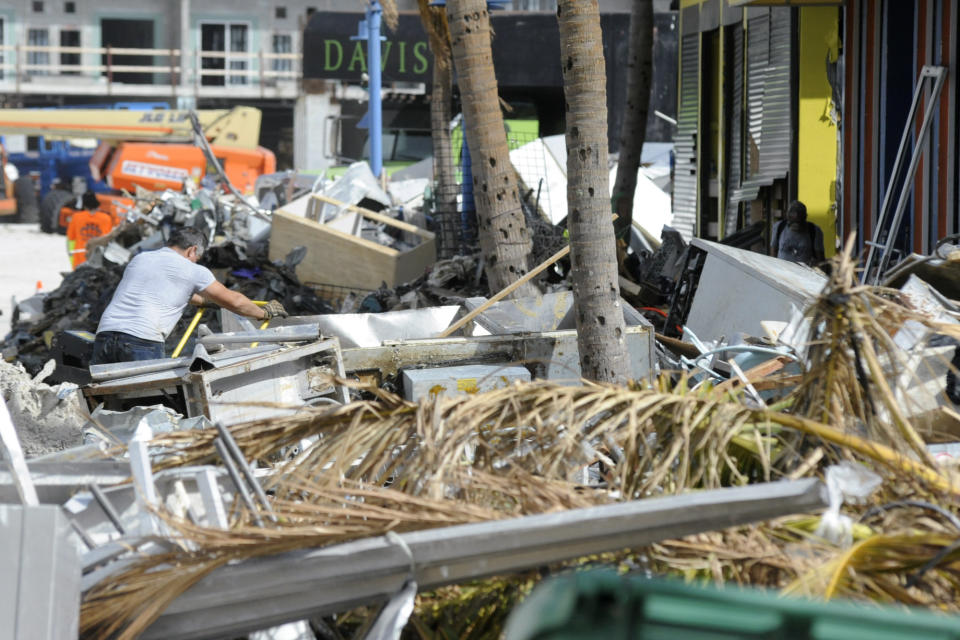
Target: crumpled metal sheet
pixel 548 312
pixel 372 329
pixel 123 424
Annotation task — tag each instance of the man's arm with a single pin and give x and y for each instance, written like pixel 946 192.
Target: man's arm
pixel 197 300
pixel 232 300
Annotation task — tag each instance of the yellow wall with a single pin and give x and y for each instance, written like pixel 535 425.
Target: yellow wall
pixel 817 134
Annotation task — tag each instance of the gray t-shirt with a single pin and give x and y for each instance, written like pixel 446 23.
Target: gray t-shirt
pixel 796 246
pixel 155 289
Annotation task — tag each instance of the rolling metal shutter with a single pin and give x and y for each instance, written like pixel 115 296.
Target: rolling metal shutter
pixel 686 179
pixel 768 118
pixel 735 127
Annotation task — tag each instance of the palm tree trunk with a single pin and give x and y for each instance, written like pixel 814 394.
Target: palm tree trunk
pixel 633 133
pixel 444 177
pixel 596 288
pixel 504 238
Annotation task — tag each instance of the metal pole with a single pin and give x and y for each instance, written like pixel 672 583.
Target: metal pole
pixel 242 597
pixel 186 334
pixel 185 42
pixel 374 12
pixel 468 211
pixel 932 103
pixel 294 333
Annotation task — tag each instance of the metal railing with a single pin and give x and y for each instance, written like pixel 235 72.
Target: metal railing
pixel 27 66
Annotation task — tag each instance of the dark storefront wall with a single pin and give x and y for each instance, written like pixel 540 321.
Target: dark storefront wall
pixel 886 44
pixel 526 55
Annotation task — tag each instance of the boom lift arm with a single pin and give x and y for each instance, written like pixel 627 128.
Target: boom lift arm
pixel 238 127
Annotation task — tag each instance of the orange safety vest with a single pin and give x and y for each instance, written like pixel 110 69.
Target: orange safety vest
pixel 84 226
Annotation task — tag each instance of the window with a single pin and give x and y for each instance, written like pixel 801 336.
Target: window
pixel 238 44
pixel 69 7
pixel 282 43
pixel 69 38
pixel 2 60
pixel 37 6
pixel 38 38
pixel 230 41
pixel 280 13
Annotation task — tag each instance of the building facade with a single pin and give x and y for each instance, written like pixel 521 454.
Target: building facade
pixel 809 100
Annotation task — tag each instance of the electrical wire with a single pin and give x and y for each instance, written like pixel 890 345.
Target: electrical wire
pixel 919 504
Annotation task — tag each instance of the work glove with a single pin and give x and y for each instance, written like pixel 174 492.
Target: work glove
pixel 274 309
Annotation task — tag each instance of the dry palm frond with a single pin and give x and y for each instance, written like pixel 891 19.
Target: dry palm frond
pixel 641 441
pixel 128 602
pixel 391 15
pixel 434 20
pixel 647 441
pixel 472 611
pixel 850 356
pixel 920 568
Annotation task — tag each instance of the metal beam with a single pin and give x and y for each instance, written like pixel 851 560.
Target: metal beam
pixel 295 333
pixel 551 355
pixel 267 591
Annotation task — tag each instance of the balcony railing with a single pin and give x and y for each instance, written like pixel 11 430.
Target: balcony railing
pixel 42 69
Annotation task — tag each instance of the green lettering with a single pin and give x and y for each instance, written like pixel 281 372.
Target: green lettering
pixel 358 57
pixel 403 57
pixel 385 55
pixel 328 48
pixel 421 65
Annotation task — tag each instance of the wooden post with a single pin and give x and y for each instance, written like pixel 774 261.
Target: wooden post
pixel 173 73
pixel 109 70
pixel 19 69
pixel 262 71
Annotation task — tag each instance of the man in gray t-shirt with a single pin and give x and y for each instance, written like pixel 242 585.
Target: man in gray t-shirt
pixel 156 287
pixel 797 240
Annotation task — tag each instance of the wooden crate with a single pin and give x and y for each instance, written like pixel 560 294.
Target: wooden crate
pixel 339 258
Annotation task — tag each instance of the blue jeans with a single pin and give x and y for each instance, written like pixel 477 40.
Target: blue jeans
pixel 116 346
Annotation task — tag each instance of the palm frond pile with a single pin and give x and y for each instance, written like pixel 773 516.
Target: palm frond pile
pixel 390 465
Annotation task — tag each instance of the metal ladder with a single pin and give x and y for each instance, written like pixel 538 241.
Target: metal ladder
pixel 936 75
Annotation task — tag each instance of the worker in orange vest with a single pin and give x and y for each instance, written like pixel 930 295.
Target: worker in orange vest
pixel 87 223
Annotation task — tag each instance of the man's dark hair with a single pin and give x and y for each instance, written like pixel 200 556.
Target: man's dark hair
pixel 90 201
pixel 186 237
pixel 798 208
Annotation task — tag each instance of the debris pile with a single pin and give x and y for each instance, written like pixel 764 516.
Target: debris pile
pixel 47 418
pixel 75 305
pixel 786 428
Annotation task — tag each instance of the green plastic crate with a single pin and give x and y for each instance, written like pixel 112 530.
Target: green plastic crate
pixel 601 604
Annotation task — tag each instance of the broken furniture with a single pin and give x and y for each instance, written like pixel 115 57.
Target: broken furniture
pixel 338 255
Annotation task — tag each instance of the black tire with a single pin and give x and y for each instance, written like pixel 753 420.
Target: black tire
pixel 27 208
pixel 50 210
